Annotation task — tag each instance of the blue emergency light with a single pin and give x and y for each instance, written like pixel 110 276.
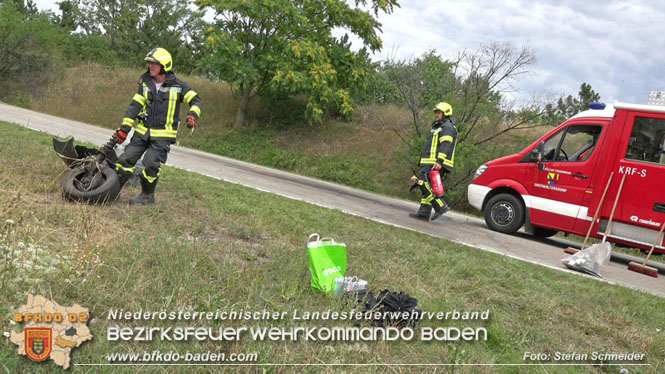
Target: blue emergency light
pixel 597 106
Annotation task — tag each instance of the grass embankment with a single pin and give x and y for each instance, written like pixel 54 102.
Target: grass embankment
pixel 209 245
pixel 364 153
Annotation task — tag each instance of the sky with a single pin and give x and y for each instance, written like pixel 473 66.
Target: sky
pixel 615 46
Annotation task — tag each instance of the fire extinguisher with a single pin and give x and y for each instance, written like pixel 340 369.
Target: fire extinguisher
pixel 437 185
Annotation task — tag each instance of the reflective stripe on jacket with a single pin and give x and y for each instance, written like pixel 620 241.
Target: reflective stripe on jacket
pixel 440 145
pixel 160 108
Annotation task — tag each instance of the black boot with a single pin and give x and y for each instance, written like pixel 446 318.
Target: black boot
pixel 438 213
pixel 147 195
pixel 423 212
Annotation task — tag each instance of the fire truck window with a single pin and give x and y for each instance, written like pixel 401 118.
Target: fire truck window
pixel 552 145
pixel 647 141
pixel 579 143
pixel 574 143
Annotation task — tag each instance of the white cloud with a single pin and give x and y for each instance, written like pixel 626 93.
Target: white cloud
pixel 598 42
pixel 47 5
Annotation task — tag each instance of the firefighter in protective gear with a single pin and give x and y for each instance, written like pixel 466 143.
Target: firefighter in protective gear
pixel 154 114
pixel 438 154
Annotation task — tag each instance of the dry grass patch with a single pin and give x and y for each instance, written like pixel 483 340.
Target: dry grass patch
pixel 100 95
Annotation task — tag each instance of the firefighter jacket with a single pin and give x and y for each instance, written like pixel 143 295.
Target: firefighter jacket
pixel 440 145
pixel 154 114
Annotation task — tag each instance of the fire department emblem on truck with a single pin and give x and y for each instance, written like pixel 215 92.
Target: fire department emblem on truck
pixel 552 178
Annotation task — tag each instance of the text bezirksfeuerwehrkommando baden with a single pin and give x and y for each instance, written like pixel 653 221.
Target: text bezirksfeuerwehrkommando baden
pixel 292 333
pixel 390 333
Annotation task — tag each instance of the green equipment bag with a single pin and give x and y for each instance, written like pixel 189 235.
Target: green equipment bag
pixel 327 261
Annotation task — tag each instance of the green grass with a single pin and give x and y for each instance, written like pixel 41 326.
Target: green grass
pixel 210 245
pixel 339 168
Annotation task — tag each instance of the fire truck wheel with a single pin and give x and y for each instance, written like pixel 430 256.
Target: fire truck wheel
pixel 542 232
pixel 504 213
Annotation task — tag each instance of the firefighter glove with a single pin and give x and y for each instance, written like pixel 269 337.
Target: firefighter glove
pixel 191 122
pixel 119 136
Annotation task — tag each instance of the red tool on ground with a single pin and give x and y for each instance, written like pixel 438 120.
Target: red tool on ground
pixel 572 250
pixel 643 268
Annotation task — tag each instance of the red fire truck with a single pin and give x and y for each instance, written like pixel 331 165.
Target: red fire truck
pixel 556 184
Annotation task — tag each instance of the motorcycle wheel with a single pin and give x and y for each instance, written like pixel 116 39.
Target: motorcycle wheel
pixel 106 191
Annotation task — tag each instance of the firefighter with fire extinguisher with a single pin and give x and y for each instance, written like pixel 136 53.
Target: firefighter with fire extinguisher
pixel 438 155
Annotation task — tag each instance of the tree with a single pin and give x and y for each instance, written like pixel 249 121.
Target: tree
pixel 71 15
pixel 419 83
pixel 28 53
pixel 587 96
pixel 286 47
pixel 25 7
pixel 569 106
pixel 134 27
pixel 474 83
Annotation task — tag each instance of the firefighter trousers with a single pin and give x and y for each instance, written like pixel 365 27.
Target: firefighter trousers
pixel 426 189
pixel 156 152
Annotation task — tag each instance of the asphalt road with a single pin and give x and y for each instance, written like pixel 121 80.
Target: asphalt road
pixel 452 226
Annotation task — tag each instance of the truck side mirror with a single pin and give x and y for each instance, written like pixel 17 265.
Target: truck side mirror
pixel 537 153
